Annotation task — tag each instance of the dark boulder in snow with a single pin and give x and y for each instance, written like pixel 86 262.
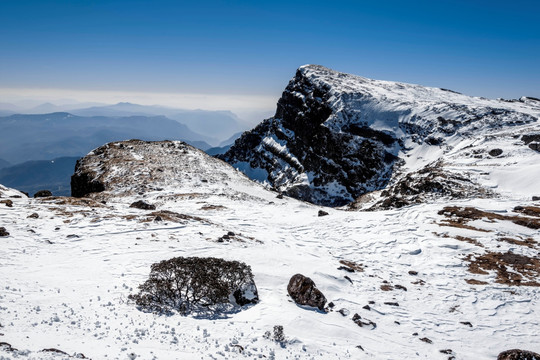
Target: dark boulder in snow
pixel 143 205
pixel 495 152
pixel 304 292
pixel 516 354
pixel 322 213
pixel 3 231
pixel 43 193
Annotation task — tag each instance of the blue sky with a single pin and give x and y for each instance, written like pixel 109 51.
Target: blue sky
pixel 252 48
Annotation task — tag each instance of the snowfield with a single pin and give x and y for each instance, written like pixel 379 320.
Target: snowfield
pixel 66 275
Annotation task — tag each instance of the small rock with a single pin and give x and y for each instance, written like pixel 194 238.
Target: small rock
pixel 3 231
pixel 280 196
pixel 536 198
pixel 535 146
pixel 401 287
pixel 363 322
pixel 367 307
pixel 415 334
pixel 397 322
pixel 8 203
pixel 142 205
pixel 42 193
pixel 344 312
pixel 322 213
pixel 33 216
pixel 348 278
pixel 331 305
pixel 391 303
pixel 495 152
pixel 158 218
pixel 413 273
pixel 426 340
pixel 304 292
pixel 360 347
pixel 516 354
pixel 466 323
pixel 346 268
pixel 446 351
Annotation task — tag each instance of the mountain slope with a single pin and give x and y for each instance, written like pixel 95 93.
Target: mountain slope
pixel 336 136
pixel 448 278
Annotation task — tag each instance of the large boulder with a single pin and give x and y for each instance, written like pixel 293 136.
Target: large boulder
pixel 42 193
pixel 304 292
pixel 516 354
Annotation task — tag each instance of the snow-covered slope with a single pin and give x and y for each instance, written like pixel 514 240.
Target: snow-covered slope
pixel 448 278
pixel 336 136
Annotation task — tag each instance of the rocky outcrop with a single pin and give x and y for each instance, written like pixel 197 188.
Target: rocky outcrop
pixel 136 168
pixel 335 136
pixel 517 354
pixel 42 193
pixel 143 205
pixel 304 292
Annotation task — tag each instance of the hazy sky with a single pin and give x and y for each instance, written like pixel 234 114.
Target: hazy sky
pixel 245 52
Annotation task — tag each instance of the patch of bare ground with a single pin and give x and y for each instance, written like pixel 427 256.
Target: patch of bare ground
pixel 476 282
pixel 352 265
pixel 528 210
pixel 460 216
pixel 172 216
pixel 186 196
pixel 213 207
pixel 462 238
pixel 528 242
pixel 66 200
pixel 511 269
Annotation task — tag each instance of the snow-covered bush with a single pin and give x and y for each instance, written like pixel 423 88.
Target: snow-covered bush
pixel 197 285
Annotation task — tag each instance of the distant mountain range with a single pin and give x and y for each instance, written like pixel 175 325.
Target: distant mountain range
pixel 48 136
pixel 215 125
pixel 32 176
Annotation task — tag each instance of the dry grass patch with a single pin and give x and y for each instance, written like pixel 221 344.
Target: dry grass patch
pixel 352 265
pixel 460 216
pixel 511 269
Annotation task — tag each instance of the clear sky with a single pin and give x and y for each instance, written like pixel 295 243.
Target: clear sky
pixel 248 50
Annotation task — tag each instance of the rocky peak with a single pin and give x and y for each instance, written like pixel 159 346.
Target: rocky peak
pixel 337 136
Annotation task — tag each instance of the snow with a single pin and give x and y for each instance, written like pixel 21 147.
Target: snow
pixel 66 277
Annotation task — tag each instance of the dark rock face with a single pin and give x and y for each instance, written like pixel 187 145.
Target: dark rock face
pixel 304 292
pixel 527 139
pixel 516 354
pixel 83 183
pixel 3 231
pixel 143 205
pixel 535 146
pixel 42 193
pixel 342 163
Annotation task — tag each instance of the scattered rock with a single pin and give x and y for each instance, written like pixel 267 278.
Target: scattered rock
pixel 158 219
pixel 516 354
pixel 348 278
pixel 527 139
pixel 331 305
pixel 322 213
pixel 363 322
pixel 360 347
pixel 55 351
pixel 42 193
pixel 8 202
pixel 33 216
pixel 495 152
pixel 426 340
pixel 413 273
pixel 535 146
pixel 466 323
pixel 344 312
pixel 367 307
pixel 446 351
pixel 391 303
pixel 141 204
pixel 401 287
pixel 279 196
pixel 536 198
pixel 346 268
pixel 304 292
pixel 3 231
pixel 6 347
pixel 387 287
